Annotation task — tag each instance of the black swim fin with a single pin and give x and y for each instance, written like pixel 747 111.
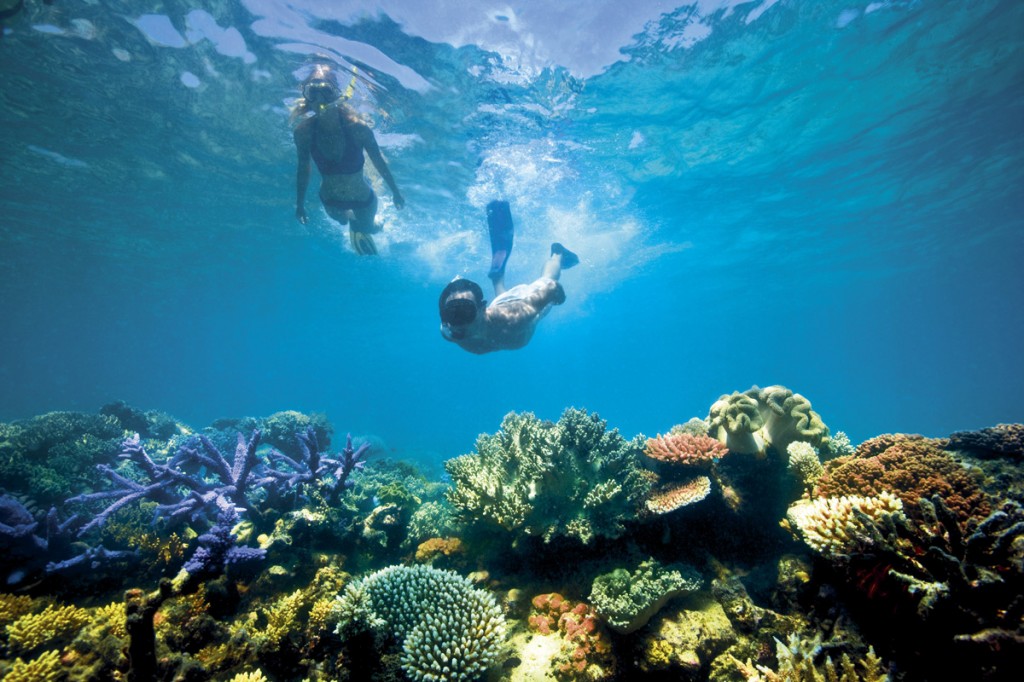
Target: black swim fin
pixel 569 258
pixel 499 223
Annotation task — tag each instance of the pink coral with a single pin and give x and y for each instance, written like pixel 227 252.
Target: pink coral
pixel 586 651
pixel 685 448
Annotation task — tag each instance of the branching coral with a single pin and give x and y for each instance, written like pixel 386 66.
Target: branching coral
pixel 449 630
pixel 804 463
pixel 840 525
pixel 573 478
pixel 45 668
pixel 796 663
pixel 627 600
pixel 54 624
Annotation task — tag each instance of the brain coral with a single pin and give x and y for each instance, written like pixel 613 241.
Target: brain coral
pixel 912 467
pixel 573 478
pixel 449 630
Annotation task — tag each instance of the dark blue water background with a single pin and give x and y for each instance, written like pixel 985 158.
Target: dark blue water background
pixel 825 195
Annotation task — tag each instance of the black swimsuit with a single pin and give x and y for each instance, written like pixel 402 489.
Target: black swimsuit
pixel 351 160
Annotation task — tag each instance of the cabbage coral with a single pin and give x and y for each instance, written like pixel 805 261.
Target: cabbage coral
pixel 450 631
pixel 788 417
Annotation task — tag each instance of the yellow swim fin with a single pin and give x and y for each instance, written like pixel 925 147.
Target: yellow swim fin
pixel 362 243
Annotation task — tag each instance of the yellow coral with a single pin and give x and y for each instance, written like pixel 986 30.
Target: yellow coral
pixel 45 668
pixel 13 607
pixel 256 676
pixel 32 631
pixel 111 616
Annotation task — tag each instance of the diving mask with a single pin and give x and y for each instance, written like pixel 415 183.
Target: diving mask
pixel 320 92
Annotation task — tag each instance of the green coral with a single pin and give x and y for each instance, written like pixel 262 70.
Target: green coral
pixel 449 629
pixel 48 455
pixel 627 600
pixel 573 478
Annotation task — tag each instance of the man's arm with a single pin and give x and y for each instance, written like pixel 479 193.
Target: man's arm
pixel 302 171
pixel 369 143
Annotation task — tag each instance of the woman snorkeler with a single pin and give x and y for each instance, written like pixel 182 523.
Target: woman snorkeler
pixel 331 133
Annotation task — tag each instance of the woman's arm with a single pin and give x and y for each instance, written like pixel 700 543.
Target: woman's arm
pixel 302 142
pixel 369 142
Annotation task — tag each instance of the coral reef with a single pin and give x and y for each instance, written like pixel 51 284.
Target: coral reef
pixel 573 478
pixel 628 599
pixel 448 629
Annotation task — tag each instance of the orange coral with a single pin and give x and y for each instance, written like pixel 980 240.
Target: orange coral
pixel 912 467
pixel 674 496
pixel 686 449
pixel 428 550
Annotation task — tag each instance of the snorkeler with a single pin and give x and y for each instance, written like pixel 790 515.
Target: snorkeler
pixel 332 134
pixel 508 322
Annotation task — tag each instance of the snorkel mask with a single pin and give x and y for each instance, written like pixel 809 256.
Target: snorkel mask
pixel 459 311
pixel 320 92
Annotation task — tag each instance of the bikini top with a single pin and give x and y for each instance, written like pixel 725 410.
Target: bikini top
pixel 351 160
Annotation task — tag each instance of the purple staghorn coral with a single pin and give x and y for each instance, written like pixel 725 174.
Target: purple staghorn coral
pixel 179 493
pixel 217 549
pixel 329 475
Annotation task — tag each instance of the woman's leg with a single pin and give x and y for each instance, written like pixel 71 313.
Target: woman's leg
pixel 364 217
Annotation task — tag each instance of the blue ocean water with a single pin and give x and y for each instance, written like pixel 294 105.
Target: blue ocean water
pixel 822 195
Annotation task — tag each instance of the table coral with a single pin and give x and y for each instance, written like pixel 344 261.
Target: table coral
pixel 573 478
pixel 628 599
pixel 685 449
pixel 674 496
